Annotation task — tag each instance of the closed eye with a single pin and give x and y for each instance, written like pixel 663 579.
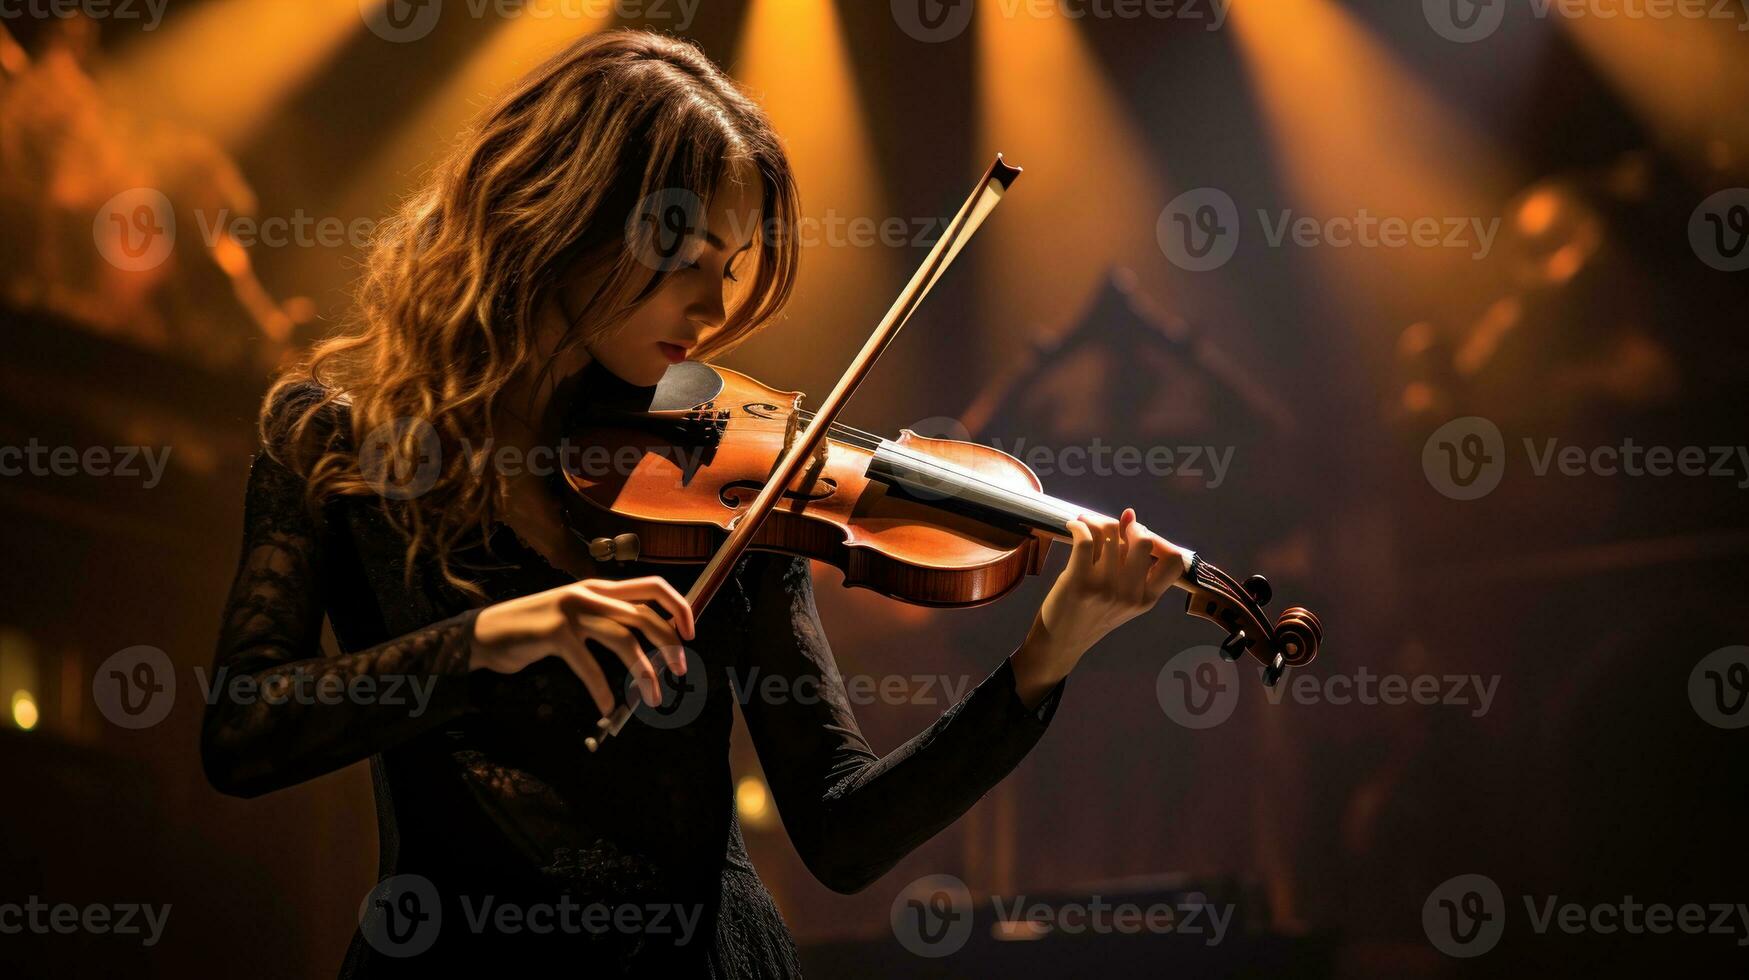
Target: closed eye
pixel 728 270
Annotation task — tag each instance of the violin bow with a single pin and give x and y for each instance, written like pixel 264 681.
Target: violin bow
pixel 978 205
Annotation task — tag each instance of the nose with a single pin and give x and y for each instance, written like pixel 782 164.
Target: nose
pixel 707 310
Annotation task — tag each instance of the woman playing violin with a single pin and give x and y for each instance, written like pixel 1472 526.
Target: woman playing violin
pixel 482 642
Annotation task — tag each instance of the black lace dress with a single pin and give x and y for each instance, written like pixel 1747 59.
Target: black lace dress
pixel 504 842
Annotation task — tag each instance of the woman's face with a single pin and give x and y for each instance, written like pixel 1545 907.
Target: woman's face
pixel 689 305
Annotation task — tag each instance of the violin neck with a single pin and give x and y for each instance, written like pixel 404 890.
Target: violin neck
pixel 935 481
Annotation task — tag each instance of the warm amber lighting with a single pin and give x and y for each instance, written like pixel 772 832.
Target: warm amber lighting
pixel 1485 337
pixel 223 68
pixel 1091 192
pixel 1538 212
pixel 1566 262
pixel 1356 128
pixel 1683 75
pixel 793 58
pixel 506 49
pixel 1557 234
pixel 24 713
pixel 230 255
pixel 1019 930
pixel 753 803
pixel 1416 339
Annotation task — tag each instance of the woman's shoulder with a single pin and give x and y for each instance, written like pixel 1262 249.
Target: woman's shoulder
pixel 300 411
pixel 295 395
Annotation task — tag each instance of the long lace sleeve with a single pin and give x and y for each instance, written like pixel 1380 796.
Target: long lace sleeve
pixel 278 710
pixel 850 813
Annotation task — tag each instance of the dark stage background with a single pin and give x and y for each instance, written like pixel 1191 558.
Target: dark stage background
pixel 1555 665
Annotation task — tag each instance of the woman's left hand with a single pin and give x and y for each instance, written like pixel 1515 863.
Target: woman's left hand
pixel 1117 570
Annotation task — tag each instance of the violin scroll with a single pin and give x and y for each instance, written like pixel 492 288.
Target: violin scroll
pixel 1291 641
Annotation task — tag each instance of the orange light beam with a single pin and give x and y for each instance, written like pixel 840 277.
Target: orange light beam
pixel 223 68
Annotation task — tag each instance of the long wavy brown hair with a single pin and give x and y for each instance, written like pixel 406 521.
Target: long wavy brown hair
pixel 550 177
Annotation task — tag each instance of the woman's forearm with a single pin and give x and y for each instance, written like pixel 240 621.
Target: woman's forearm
pixel 1040 664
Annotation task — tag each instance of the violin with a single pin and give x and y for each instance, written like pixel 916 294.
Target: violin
pixel 725 463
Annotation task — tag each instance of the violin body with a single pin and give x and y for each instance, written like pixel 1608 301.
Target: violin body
pixel 694 468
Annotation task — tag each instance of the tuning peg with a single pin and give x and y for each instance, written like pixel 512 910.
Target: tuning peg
pixel 1273 672
pixel 1258 587
pixel 1233 647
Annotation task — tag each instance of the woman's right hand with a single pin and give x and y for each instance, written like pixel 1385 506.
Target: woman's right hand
pixel 511 635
